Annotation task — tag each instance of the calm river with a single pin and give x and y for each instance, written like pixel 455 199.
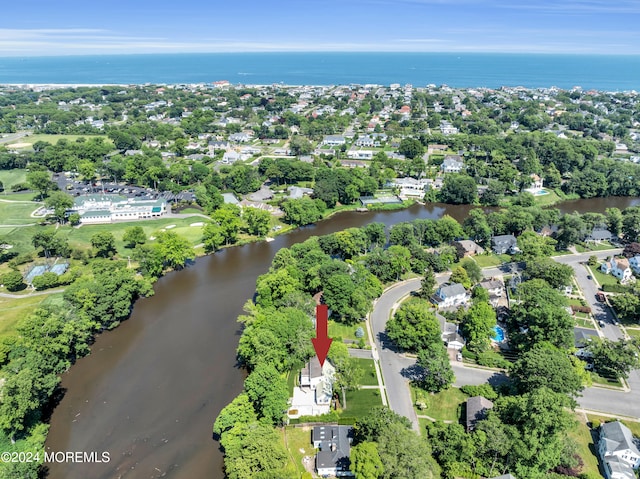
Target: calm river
pixel 150 390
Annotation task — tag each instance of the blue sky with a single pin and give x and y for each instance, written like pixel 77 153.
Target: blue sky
pixel 75 27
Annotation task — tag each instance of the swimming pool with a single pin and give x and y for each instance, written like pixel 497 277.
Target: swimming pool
pixel 498 334
pixel 541 192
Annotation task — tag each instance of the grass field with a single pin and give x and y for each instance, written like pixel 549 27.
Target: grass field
pixel 546 200
pixel 360 402
pixel 17 213
pixel 298 442
pixel 443 406
pixel 593 247
pixel 15 309
pixel 369 377
pixel 11 177
pixel 586 448
pixel 487 260
pixel 601 277
pixel 53 139
pixel 28 196
pixel 344 331
pixel 634 333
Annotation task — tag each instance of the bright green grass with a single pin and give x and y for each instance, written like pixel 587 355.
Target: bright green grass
pixel 443 406
pixel 597 379
pixel 17 213
pixel 360 402
pixel 601 277
pixel 581 434
pixel 344 331
pixel 14 309
pixel 190 211
pixel 298 444
pixel 634 333
pixel 12 177
pixel 29 196
pixel 53 139
pixel 489 260
pixel 546 200
pixel 369 377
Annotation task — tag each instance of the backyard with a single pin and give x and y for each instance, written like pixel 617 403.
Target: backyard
pixel 442 406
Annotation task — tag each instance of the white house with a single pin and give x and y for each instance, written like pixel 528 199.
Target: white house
pixel 618 451
pixel 618 267
pixel 450 295
pixel 635 263
pixel 312 397
pixel 334 140
pixel 452 164
pixel 410 187
pixel 230 156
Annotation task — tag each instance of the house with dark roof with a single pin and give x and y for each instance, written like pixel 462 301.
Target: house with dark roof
pixel 450 334
pixel 334 444
pixel 618 451
pixel 598 235
pixel 502 244
pixel 477 407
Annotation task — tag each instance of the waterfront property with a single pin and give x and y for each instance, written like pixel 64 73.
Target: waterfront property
pixel 618 451
pixel 504 244
pixel 334 444
pixel 312 396
pixel 96 209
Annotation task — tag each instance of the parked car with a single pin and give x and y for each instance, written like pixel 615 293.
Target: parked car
pixel 601 323
pixel 589 277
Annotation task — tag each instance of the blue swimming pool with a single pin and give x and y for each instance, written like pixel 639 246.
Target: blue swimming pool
pixel 498 334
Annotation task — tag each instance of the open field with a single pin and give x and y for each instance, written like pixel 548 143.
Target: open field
pixel 443 406
pixel 17 213
pixel 487 260
pixel 14 309
pixel 369 377
pixel 22 196
pixel 11 177
pixel 298 443
pixel 27 141
pixel 586 448
pixel 345 331
pixel 360 402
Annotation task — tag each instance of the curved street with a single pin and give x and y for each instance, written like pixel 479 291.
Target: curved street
pixel 393 363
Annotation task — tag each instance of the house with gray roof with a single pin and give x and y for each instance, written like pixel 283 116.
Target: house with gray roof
pixel 452 164
pixel 450 334
pixel 334 140
pixel 334 443
pixel 502 244
pixel 618 450
pixel 450 296
pixel 477 407
pixel 598 235
pixel 505 476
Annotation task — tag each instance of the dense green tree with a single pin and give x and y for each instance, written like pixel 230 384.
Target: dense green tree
pixel 133 236
pixel 478 324
pixel 411 148
pixel 572 229
pixel 545 366
pixel 175 249
pixel 104 244
pixel 474 272
pixel 627 306
pixel 556 274
pixel 631 223
pixel 427 284
pixel 540 316
pixel 435 369
pixel 253 451
pixel 60 202
pixel 212 237
pixel 150 259
pixel 614 358
pixel 458 189
pixel 228 218
pixel 533 246
pixel 40 181
pixel 476 226
pixel 50 242
pixel 267 390
pixel 404 455
pixel 414 326
pixel 13 281
pixel 302 211
pixel 614 220
pixel 272 288
pixel 365 461
pixel 240 410
pixel 257 221
pixel 459 275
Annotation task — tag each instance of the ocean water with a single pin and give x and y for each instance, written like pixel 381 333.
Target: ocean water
pixel 602 72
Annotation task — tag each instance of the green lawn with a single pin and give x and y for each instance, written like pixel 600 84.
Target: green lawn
pixel 360 402
pixel 53 139
pixel 443 406
pixel 298 443
pixel 488 260
pixel 369 377
pixel 29 196
pixel 11 177
pixel 546 200
pixel 583 321
pixel 344 331
pixel 634 333
pixel 593 247
pixel 189 211
pixel 581 434
pixel 601 277
pixel 597 379
pixel 14 309
pixel 17 213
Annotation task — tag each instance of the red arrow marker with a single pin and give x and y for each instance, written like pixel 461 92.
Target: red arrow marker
pixel 321 343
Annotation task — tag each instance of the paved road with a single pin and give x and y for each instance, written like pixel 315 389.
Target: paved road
pixel 392 363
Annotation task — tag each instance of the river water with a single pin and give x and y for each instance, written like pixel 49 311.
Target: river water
pixel 150 390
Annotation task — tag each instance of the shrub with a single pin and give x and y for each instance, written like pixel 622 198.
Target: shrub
pixel 22 258
pixel 614 288
pixel 13 281
pixel 45 281
pixel 482 390
pixel 595 423
pixel 359 332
